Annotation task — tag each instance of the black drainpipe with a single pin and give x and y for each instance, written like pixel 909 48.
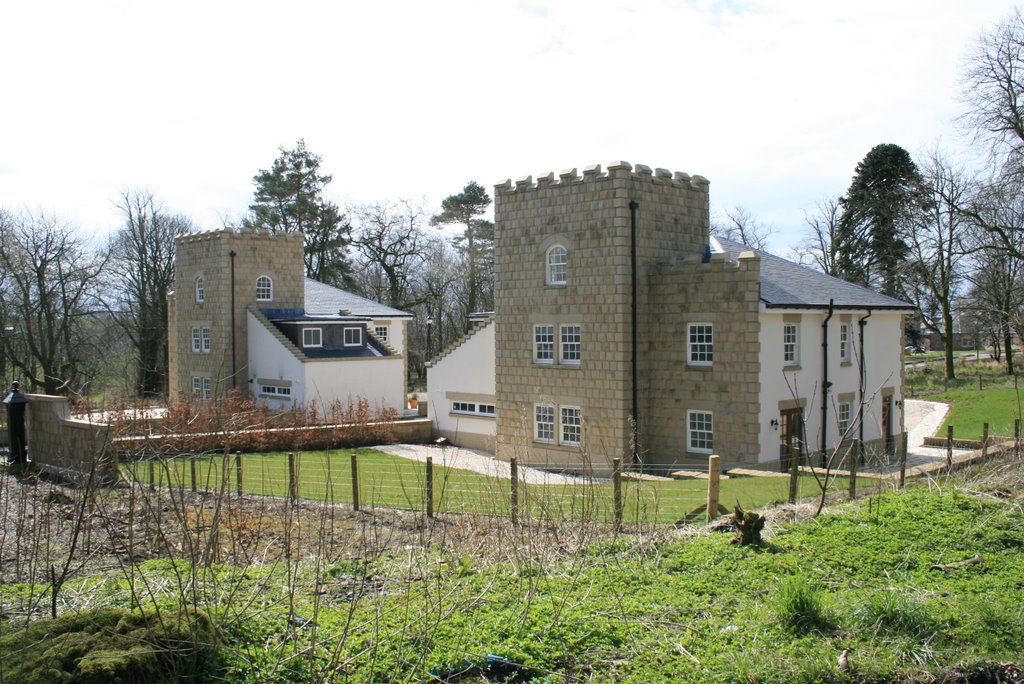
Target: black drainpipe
pixel 825 384
pixel 633 206
pixel 863 381
pixel 234 356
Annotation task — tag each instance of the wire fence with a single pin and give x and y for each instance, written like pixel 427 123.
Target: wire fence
pixel 442 485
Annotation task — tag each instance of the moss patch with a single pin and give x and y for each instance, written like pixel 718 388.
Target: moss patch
pixel 110 646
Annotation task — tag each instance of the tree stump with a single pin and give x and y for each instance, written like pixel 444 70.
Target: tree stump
pixel 748 526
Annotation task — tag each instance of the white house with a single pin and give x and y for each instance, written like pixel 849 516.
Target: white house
pixel 622 330
pixel 243 317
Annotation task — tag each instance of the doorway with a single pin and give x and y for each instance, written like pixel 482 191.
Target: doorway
pixel 791 430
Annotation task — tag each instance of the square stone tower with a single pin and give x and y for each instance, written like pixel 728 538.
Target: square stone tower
pixel 218 276
pixel 572 311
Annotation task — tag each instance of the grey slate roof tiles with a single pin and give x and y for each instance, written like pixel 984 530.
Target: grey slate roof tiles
pixel 787 284
pixel 325 300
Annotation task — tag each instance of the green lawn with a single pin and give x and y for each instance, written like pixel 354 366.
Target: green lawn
pixel 981 393
pixel 394 482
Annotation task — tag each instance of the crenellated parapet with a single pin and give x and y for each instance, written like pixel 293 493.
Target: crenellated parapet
pixel 227 233
pixel 616 170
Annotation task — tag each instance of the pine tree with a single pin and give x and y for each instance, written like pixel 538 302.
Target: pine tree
pixel 289 198
pixel 877 211
pixel 476 243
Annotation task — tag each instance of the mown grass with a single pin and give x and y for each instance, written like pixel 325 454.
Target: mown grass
pixel 622 609
pixel 391 481
pixel 996 399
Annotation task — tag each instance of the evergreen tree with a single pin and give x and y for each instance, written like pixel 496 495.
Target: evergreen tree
pixel 289 198
pixel 883 198
pixel 476 243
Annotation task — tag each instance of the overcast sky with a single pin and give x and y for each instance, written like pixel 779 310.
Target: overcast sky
pixel 775 102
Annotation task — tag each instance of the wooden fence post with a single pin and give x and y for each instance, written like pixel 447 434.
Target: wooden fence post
pixel 152 474
pixel 617 491
pixel 949 447
pixel 794 475
pixel 355 483
pixel 430 486
pixel 714 472
pixel 238 472
pixel 192 472
pixel 1016 438
pixel 854 461
pixel 903 459
pixel 293 478
pixel 514 468
pixel 984 442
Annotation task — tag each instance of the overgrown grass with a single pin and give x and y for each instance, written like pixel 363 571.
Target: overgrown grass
pixel 390 481
pixel 576 603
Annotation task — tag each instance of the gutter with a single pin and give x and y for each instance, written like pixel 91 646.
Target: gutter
pixel 863 381
pixel 825 385
pixel 635 450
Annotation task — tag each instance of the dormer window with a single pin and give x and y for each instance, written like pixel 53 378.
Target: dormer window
pixel 264 289
pixel 312 337
pixel 200 290
pixel 556 268
pixel 353 337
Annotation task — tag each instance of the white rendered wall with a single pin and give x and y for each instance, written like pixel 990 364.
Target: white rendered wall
pixel 269 359
pixel 396 332
pixel 379 379
pixel 883 356
pixel 466 374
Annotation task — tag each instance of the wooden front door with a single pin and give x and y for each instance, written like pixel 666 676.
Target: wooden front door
pixel 887 425
pixel 791 430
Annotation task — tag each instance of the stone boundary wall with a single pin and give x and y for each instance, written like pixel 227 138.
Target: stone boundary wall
pixel 68 447
pixel 316 437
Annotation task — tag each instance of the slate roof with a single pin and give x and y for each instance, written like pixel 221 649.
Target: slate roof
pixel 785 284
pixel 325 300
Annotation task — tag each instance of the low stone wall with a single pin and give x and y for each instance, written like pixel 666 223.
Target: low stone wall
pixel 68 447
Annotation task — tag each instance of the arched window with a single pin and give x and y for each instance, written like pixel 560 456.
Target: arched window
pixel 264 289
pixel 200 290
pixel 556 270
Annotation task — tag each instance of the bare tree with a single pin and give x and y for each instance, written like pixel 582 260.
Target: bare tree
pixel 820 245
pixel 52 278
pixel 997 298
pixel 739 225
pixel 141 274
pixel 390 243
pixel 938 251
pixel 993 88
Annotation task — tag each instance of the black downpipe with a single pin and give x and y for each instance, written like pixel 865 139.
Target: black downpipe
pixel 633 206
pixel 825 384
pixel 234 325
pixel 863 381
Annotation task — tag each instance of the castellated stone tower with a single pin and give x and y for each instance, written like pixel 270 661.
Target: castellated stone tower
pixel 219 275
pixel 571 369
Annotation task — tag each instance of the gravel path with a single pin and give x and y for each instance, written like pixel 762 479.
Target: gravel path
pixel 476 461
pixel 922 419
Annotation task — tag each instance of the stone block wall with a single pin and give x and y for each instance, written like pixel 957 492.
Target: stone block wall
pixel 67 447
pixel 590 216
pixel 209 254
pixel 724 294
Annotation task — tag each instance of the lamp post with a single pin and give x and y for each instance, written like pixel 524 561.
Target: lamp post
pixel 16 403
pixel 430 335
